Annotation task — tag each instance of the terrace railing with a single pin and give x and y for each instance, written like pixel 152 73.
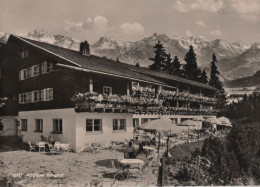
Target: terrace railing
pixel 92 101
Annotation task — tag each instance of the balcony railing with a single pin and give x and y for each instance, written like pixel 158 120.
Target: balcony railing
pixel 172 95
pixel 115 103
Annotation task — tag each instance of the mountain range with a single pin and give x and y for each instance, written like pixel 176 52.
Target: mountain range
pixel 249 81
pixel 235 60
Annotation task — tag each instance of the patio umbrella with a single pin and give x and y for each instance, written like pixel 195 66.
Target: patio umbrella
pixel 162 124
pixel 224 121
pixel 212 121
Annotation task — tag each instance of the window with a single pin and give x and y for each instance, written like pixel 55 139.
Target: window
pixel 24 54
pixel 93 125
pixel 144 120
pixel 35 70
pixel 26 73
pixel 107 90
pixel 36 96
pixel 119 124
pixel 136 122
pixel 46 67
pixel 28 97
pixel 57 125
pixel 38 125
pixel 24 124
pixel 22 98
pixel 48 94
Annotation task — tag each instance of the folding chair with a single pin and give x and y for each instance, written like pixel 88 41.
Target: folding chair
pixel 32 148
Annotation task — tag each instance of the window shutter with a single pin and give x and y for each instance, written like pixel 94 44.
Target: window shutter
pixel 20 98
pixel 50 93
pixel 42 95
pixel 21 75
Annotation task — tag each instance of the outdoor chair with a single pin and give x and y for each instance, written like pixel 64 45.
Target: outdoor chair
pixel 88 148
pixel 95 147
pixel 32 148
pixel 119 174
pixel 41 145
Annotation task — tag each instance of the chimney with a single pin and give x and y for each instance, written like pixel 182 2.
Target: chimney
pixel 84 48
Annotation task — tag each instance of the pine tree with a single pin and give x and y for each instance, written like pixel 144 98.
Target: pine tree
pixel 137 65
pixel 191 70
pixel 215 82
pixel 176 65
pixel 204 77
pixel 169 68
pixel 159 58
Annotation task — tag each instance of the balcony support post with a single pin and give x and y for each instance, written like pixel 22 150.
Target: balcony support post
pixel 128 89
pixel 90 84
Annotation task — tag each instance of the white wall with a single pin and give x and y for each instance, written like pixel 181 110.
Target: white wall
pixel 107 135
pixel 68 123
pixel 9 123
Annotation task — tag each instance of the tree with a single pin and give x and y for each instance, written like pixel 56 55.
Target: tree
pixel 169 67
pixel 176 66
pixel 191 70
pixel 215 82
pixel 204 77
pixel 137 65
pixel 159 58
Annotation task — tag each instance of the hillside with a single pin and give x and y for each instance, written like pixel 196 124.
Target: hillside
pixel 245 82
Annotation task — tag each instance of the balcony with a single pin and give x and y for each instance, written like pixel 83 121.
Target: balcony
pixel 94 102
pixel 172 95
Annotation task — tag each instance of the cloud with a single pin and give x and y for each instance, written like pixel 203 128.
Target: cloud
pixel 98 24
pixel 188 33
pixel 100 21
pixel 132 28
pixel 216 32
pixel 181 7
pixel 212 6
pixel 249 9
pixel 201 24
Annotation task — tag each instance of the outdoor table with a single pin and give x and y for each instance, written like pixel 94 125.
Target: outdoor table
pixel 129 162
pixel 148 148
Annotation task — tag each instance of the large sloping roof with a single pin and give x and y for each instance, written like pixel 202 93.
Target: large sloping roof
pixel 165 76
pixel 103 65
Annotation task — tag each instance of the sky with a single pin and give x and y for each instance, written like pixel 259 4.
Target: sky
pixel 132 20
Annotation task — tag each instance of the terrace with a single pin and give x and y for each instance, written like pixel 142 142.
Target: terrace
pixel 146 100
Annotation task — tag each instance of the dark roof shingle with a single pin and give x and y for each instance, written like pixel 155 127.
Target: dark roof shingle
pixel 108 66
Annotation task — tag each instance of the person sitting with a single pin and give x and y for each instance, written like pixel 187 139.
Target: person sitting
pixel 43 139
pixel 153 141
pixel 141 149
pixel 130 150
pixel 51 140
